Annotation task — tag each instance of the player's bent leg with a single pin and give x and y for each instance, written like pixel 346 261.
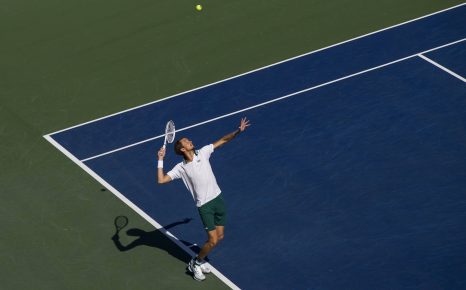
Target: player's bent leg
pixel 209 245
pixel 213 216
pixel 197 265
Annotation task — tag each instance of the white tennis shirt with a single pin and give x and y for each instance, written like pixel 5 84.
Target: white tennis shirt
pixel 198 176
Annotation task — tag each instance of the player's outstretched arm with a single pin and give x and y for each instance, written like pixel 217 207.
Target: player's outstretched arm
pixel 242 126
pixel 161 177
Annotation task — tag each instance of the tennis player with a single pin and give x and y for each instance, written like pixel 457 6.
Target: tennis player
pixel 197 175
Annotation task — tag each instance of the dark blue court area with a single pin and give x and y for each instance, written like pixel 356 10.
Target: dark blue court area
pixel 355 179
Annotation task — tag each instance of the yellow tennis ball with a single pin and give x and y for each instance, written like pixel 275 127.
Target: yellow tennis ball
pixel 198 7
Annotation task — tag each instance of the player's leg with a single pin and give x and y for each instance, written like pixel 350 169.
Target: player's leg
pixel 197 265
pixel 215 237
pixel 212 241
pixel 207 214
pixel 213 216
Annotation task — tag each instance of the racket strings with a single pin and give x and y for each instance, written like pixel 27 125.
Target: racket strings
pixel 170 131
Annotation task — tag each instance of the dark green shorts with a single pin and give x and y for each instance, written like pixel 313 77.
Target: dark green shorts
pixel 213 213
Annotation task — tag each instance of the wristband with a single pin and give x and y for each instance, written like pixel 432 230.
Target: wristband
pixel 160 164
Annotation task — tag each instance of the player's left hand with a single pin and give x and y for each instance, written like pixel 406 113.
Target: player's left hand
pixel 244 124
pixel 161 153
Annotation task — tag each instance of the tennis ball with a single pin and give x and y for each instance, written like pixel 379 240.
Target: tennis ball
pixel 198 7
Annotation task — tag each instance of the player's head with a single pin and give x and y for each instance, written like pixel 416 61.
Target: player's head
pixel 183 145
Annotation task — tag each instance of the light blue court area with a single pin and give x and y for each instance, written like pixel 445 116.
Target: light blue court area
pixel 352 175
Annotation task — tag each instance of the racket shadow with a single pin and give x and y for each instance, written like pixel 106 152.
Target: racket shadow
pixel 156 239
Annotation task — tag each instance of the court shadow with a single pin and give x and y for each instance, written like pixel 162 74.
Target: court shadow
pixel 156 239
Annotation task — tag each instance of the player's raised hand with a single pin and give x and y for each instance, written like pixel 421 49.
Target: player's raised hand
pixel 161 153
pixel 244 124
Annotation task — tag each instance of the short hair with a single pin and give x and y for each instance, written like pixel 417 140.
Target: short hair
pixel 178 147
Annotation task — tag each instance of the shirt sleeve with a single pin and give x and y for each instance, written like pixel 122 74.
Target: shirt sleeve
pixel 207 150
pixel 175 172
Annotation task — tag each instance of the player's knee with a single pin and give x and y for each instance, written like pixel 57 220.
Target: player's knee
pixel 213 241
pixel 220 237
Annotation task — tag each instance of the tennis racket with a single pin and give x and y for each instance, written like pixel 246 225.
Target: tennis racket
pixel 120 223
pixel 169 133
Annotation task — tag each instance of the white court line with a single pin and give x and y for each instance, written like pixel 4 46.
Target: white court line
pixel 136 209
pixel 261 68
pixel 442 67
pixel 274 100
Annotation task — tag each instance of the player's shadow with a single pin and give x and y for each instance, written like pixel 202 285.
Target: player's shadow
pixel 157 239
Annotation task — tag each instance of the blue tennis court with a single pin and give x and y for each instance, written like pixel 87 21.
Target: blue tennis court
pixel 352 175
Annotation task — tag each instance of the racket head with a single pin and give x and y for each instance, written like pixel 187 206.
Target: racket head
pixel 169 132
pixel 120 222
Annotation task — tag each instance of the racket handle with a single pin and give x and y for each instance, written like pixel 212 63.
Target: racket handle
pixel 164 142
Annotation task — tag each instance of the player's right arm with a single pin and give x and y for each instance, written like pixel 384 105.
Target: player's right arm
pixel 161 176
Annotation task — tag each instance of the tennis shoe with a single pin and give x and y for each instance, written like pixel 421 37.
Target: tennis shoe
pixel 205 268
pixel 196 270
